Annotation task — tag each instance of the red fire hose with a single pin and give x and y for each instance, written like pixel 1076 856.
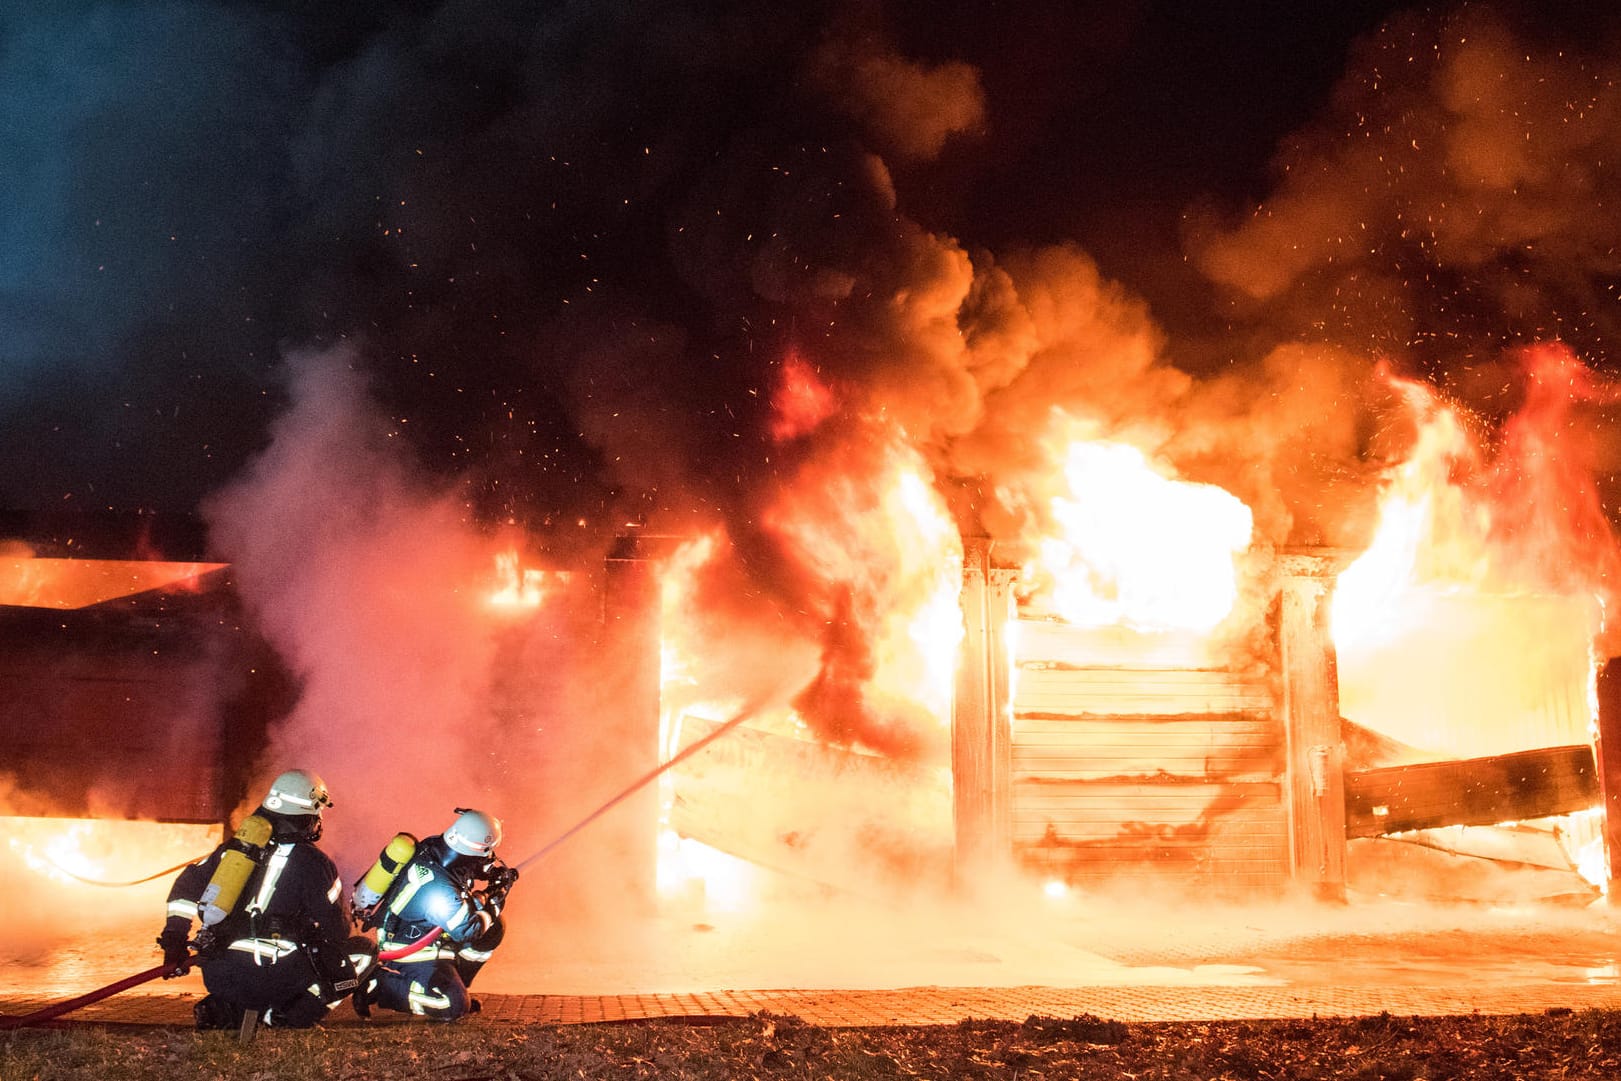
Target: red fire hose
pixel 51 1012
pixel 410 948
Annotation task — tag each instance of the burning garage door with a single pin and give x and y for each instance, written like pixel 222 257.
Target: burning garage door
pixel 1148 775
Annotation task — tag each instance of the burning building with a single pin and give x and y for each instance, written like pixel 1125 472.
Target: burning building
pixel 1141 694
pixel 1282 565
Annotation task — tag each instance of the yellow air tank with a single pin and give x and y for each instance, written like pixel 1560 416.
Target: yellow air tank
pixel 243 853
pixel 396 854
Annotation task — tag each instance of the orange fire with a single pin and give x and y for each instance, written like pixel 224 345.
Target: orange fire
pixel 1136 546
pixel 520 588
pixel 880 555
pixel 1468 625
pixel 1465 629
pixel 97 875
pixel 801 403
pixel 79 583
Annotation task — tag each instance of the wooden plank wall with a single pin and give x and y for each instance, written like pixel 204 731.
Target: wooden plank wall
pixel 125 729
pixel 1169 775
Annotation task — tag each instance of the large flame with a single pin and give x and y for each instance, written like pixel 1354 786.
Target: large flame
pixel 886 558
pixel 1467 626
pixel 871 560
pixel 1136 546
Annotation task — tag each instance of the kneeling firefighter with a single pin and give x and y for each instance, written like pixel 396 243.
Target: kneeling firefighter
pixel 275 938
pixel 451 886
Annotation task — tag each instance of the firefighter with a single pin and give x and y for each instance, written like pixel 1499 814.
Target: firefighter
pixel 453 887
pixel 275 937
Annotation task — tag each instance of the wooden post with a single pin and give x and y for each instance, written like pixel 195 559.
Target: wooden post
pixel 981 736
pixel 1607 749
pixel 1311 715
pixel 632 630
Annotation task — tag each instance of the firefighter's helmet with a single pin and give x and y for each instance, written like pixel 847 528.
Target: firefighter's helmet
pixel 474 833
pixel 297 792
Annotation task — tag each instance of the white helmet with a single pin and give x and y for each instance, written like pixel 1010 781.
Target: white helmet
pixel 474 833
pixel 297 792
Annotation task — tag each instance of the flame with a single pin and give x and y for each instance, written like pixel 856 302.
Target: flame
pixel 80 583
pixel 81 853
pixel 1135 546
pixel 686 868
pixel 1526 518
pixel 887 542
pixel 1468 625
pixel 1430 533
pixel 520 588
pixel 871 555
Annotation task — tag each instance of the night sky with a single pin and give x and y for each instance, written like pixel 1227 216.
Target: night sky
pixel 571 246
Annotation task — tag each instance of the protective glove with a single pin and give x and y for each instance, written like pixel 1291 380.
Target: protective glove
pixel 501 880
pixel 176 952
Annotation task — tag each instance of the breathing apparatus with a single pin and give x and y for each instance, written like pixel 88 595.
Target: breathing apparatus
pixel 244 853
pixel 290 813
pixel 369 891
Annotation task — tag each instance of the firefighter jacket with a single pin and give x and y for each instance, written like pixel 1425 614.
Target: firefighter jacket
pixel 427 894
pixel 291 899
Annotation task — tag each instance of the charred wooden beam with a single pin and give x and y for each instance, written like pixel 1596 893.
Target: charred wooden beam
pixel 1471 792
pixel 1609 759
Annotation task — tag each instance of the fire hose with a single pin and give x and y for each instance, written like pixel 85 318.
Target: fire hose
pixel 686 752
pixel 51 1012
pixel 411 947
pixel 407 950
pixel 131 882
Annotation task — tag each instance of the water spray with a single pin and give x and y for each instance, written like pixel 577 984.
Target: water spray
pixel 645 779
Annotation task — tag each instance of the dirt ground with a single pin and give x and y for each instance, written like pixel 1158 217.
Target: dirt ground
pixel 1555 1044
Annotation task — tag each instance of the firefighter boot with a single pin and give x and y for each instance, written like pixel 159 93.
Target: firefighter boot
pixel 212 1012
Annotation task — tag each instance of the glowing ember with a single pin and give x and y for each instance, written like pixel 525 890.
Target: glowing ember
pixel 1138 547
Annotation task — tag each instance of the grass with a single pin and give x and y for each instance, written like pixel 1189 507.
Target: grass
pixel 1557 1044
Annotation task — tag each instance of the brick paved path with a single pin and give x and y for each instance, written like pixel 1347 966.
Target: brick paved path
pixel 938 1005
pixel 1502 967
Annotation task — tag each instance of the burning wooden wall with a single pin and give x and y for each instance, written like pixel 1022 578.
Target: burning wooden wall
pixel 129 686
pixel 1174 774
pixel 1146 762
